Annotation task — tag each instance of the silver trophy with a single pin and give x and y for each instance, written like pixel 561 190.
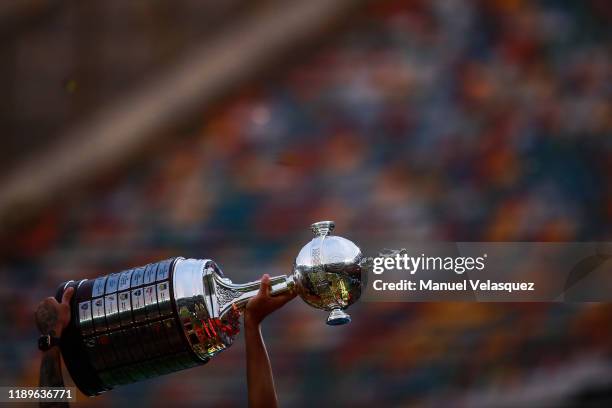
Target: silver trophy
pixel 179 313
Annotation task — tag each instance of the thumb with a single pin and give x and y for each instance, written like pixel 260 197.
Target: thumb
pixel 67 296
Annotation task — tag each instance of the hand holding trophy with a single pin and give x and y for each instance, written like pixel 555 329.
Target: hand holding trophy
pixel 179 313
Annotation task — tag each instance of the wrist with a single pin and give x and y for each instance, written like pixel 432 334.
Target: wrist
pixel 56 331
pixel 250 322
pixel 48 342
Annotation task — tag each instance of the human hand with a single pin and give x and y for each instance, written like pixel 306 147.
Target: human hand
pixel 53 317
pixel 264 303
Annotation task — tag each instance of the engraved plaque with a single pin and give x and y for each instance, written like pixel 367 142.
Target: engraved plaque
pixel 125 308
pixel 85 319
pixel 112 282
pixel 137 276
pixel 138 305
pixel 98 287
pixel 150 273
pixel 97 312
pixel 124 280
pixel 150 298
pixel 111 311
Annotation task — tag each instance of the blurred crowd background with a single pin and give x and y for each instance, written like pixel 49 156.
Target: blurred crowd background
pixel 424 120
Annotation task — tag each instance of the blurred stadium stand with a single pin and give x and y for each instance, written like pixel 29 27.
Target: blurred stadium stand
pixel 64 59
pixel 429 120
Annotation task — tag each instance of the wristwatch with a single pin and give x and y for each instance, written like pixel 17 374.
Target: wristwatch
pixel 46 341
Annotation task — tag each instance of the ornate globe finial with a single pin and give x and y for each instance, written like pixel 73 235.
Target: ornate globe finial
pixel 327 272
pixel 323 228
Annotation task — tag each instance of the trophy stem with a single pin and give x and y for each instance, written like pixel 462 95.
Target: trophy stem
pixel 240 293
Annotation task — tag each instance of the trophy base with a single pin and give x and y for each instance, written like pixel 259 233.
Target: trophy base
pixel 337 317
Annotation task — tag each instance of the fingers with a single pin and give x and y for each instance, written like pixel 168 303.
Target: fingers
pixel 287 294
pixel 264 287
pixel 47 302
pixel 67 296
pixel 282 298
pixel 46 315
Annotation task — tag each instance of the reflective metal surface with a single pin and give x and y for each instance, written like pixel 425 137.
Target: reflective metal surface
pixel 179 313
pixel 328 272
pixel 124 329
pixel 193 299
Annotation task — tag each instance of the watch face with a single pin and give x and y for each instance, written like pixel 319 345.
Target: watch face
pixel 44 342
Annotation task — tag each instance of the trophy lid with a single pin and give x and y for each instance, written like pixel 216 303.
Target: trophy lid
pixel 322 228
